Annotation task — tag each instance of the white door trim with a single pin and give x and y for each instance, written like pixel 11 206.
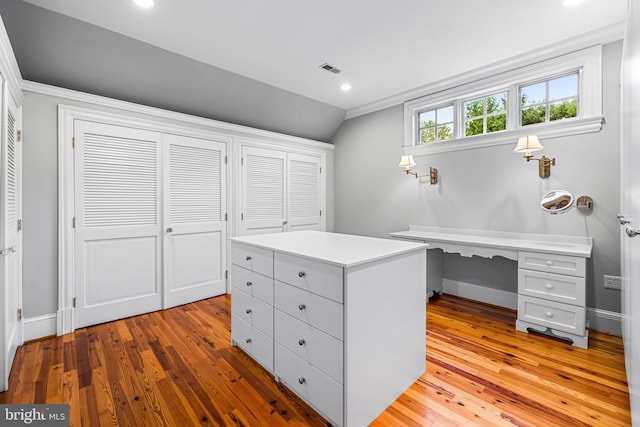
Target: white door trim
pixel 66 117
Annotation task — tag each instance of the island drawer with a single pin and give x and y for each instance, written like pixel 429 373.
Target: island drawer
pixel 316 347
pixel 551 263
pixel 253 283
pixel 252 258
pixel 253 342
pixel 253 311
pixel 317 311
pixel 556 287
pixel 313 276
pixel 563 317
pixel 316 388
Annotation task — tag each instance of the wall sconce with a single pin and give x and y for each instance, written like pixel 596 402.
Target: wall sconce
pixel 407 163
pixel 529 143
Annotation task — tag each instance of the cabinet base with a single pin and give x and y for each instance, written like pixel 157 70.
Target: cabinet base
pixel 576 340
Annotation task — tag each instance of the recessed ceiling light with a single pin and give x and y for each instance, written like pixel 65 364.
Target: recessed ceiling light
pixel 144 3
pixel 345 87
pixel 571 2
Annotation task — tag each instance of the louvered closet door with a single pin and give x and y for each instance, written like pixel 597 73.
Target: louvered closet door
pixel 10 291
pixel 195 229
pixel 303 201
pixel 118 229
pixel 263 191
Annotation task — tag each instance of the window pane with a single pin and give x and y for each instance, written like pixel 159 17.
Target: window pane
pixel 533 115
pixel 445 131
pixel 496 123
pixel 445 115
pixel 428 118
pixel 474 108
pixel 473 127
pixel 427 135
pixel 533 94
pixel 564 87
pixel 563 110
pixel 497 103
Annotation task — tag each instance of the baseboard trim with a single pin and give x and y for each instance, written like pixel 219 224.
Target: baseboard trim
pixel 484 294
pixel 40 326
pixel 605 321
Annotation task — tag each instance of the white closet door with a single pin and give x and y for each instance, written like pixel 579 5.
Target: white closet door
pixel 10 287
pixel 118 229
pixel 194 212
pixel 263 191
pixel 303 182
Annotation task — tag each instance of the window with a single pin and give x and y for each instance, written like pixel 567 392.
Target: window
pixel 558 95
pixel 436 125
pixel 550 100
pixel 485 115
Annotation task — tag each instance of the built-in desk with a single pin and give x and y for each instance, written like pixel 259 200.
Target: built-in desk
pixel 551 273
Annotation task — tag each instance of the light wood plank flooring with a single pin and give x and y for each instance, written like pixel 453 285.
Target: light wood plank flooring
pixel 177 368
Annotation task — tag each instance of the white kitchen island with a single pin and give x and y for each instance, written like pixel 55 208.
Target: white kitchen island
pixel 339 319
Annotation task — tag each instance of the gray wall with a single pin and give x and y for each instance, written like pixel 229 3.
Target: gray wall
pixel 55 49
pixel 486 188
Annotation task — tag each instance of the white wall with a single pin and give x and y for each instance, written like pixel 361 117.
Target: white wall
pixel 486 188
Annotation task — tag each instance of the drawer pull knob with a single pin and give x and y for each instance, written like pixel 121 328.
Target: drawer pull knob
pixel 248 258
pixel 248 340
pixel 301 380
pixel 301 307
pixel 549 314
pixel 249 283
pixel 549 263
pixel 301 342
pixel 301 274
pixel 549 286
pixel 248 311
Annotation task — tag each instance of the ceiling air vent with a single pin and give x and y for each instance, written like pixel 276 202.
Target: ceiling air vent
pixel 330 68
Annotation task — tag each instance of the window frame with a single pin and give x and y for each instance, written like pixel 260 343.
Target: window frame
pixel 587 62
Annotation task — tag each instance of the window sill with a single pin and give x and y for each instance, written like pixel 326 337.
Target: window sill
pixel 543 131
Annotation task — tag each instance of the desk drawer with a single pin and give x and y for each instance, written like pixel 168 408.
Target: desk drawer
pixel 555 287
pixel 561 264
pixel 252 258
pixel 313 386
pixel 253 342
pixel 313 309
pixel 316 347
pixel 313 276
pixel 563 317
pixel 253 311
pixel 253 283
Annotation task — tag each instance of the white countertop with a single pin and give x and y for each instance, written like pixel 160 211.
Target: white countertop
pixel 344 250
pixel 544 243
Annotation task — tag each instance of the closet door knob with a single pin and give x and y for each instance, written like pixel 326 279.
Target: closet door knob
pixel 549 286
pixel 301 307
pixel 248 340
pixel 549 314
pixel 301 380
pixel 248 258
pixel 248 311
pixel 249 283
pixel 301 341
pixel 301 274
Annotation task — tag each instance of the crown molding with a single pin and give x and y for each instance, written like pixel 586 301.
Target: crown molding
pixel 210 124
pixel 603 35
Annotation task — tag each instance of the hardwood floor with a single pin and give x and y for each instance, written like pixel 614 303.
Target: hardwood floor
pixel 177 368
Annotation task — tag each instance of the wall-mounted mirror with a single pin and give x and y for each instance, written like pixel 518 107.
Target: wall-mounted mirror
pixel 556 201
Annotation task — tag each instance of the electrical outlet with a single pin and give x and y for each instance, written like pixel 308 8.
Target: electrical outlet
pixel 612 282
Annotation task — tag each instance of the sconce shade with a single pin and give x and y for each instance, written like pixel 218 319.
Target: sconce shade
pixel 406 162
pixel 527 144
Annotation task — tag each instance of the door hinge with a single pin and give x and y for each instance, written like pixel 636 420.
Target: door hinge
pixel 19 136
pixel 225 160
pixel 226 217
pixel 320 212
pixel 226 274
pixel 73 302
pixel 321 169
pixel 20 224
pixel 242 161
pixel 242 216
pixel 19 314
pixel 73 222
pixel 73 142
